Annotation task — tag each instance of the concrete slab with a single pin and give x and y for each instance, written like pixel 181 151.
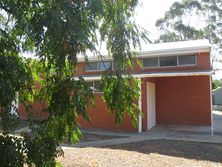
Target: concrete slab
pixel 191 133
pixel 170 132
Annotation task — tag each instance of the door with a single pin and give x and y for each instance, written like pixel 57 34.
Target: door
pixel 151 105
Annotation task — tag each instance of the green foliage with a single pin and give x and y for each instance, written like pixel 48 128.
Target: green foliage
pixel 57 31
pixel 12 151
pixel 121 89
pixel 41 150
pixel 179 22
pixel 216 84
pixel 14 70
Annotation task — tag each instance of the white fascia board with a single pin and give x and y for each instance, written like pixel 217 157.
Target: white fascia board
pixel 172 53
pixel 163 49
pixel 173 74
pixel 147 54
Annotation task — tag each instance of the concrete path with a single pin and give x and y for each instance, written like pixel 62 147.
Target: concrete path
pixel 169 132
pixel 100 143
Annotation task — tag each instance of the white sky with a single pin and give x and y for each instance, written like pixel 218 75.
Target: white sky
pixel 147 14
pixel 149 11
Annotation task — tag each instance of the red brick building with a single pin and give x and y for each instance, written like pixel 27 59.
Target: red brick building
pixel 175 86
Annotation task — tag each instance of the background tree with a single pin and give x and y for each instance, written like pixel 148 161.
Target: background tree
pixel 177 24
pixel 191 20
pixel 58 31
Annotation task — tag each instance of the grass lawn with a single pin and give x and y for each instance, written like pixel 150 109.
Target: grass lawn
pixel 164 153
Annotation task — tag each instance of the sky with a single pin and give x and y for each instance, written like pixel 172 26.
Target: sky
pixel 150 11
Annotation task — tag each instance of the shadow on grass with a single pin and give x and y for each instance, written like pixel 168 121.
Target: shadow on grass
pixel 188 150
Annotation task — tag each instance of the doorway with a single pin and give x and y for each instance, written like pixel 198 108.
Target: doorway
pixel 151 105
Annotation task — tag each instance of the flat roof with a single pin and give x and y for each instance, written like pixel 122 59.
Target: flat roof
pixel 164 49
pixel 155 74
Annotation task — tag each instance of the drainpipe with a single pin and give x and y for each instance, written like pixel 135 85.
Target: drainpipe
pixel 211 107
pixel 140 108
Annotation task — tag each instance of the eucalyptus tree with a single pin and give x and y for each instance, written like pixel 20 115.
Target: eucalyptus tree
pixel 212 13
pixel 57 31
pixel 191 20
pixel 179 22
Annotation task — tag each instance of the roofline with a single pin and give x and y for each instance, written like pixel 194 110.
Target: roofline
pixel 159 53
pixel 156 50
pixel 160 74
pixel 173 52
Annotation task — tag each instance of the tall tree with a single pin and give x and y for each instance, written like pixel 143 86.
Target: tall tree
pixel 193 19
pixel 177 24
pixel 58 31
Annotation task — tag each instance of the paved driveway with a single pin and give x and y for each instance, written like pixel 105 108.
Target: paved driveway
pixel 217 120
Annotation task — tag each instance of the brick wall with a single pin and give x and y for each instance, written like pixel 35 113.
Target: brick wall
pixel 101 119
pixel 183 100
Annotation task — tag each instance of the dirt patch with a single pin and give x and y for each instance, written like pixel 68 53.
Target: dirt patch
pixel 147 153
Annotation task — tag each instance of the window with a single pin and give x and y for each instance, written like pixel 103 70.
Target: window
pixel 106 65
pixel 150 62
pixel 97 86
pixel 187 60
pixel 168 61
pixel 91 67
pixel 90 85
pixel 98 66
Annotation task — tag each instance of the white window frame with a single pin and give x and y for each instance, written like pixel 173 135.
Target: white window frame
pixel 171 66
pixel 91 70
pixel 98 66
pixel 188 64
pixel 95 92
pixel 158 62
pixel 167 66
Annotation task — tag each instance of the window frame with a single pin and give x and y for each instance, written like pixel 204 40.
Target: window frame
pixel 103 62
pixel 188 64
pixel 93 89
pixel 98 66
pixel 178 65
pixel 86 64
pixel 170 65
pixel 151 58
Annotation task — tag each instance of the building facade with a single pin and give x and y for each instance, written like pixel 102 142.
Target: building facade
pixel 175 86
pixel 175 82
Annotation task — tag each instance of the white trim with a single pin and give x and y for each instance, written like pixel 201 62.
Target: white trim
pixel 163 49
pixel 160 74
pixel 178 65
pixel 147 55
pixel 98 66
pixel 178 53
pixel 211 108
pixel 140 107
